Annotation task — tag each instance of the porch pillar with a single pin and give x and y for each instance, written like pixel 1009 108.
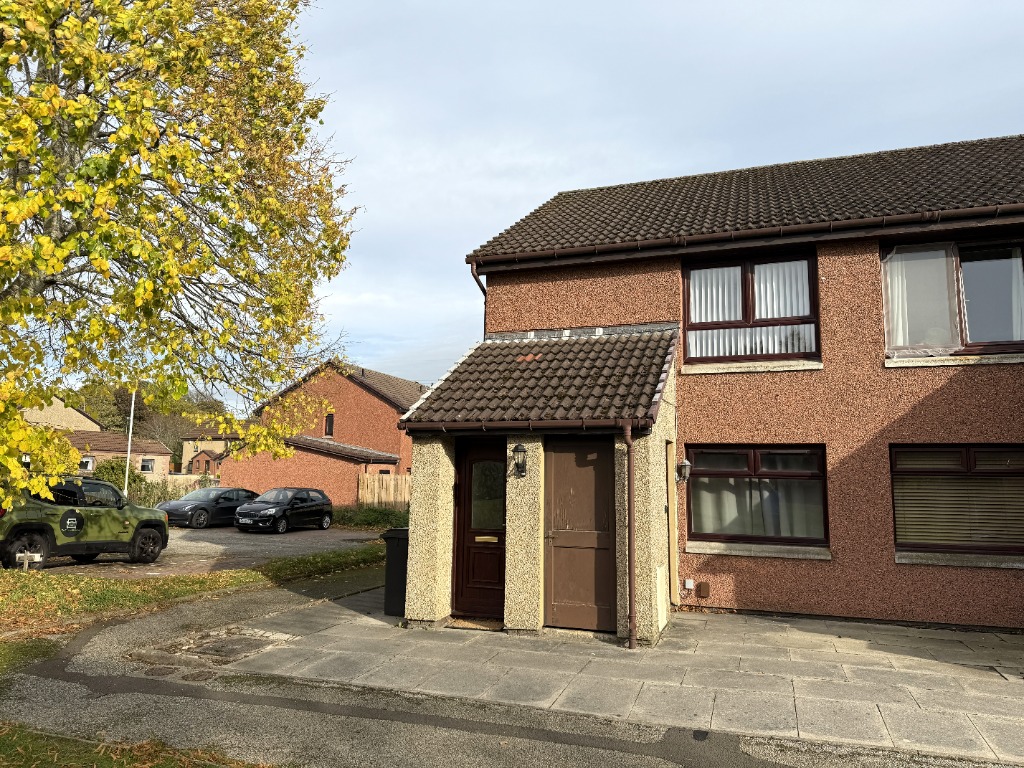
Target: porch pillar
pixel 524 537
pixel 428 596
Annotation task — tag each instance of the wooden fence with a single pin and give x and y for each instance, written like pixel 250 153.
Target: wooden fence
pixel 391 491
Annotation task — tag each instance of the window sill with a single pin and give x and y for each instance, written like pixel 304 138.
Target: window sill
pixel 959 560
pixel 756 366
pixel 788 552
pixel 933 362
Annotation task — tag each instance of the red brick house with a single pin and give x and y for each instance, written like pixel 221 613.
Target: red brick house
pixel 356 434
pixel 831 351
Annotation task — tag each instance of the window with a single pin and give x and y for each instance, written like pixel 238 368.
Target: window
pixel 206 468
pixel 87 464
pixel 959 498
pixel 754 310
pixel 329 425
pixel 945 299
pixel 148 465
pixel 317 496
pixel 100 494
pixel 768 494
pixel 64 494
pixel 385 472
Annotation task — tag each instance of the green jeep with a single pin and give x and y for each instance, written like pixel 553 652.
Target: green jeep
pixel 85 518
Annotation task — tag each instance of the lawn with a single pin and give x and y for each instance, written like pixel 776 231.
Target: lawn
pixel 22 748
pixel 45 602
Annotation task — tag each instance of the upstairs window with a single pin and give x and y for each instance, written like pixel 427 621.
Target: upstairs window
pixel 329 425
pixel 752 310
pixel 148 465
pixel 946 299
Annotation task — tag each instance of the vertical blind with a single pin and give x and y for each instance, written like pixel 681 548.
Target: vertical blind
pixel 749 341
pixel 781 290
pixel 716 295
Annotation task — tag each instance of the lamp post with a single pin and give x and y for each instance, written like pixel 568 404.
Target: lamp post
pixel 128 459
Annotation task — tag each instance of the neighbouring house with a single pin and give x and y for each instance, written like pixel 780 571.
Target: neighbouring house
pixel 204 445
pixel 62 416
pixel 150 457
pixel 832 351
pixel 356 434
pixel 206 462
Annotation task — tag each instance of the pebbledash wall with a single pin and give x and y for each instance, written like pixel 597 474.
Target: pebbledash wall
pixel 855 405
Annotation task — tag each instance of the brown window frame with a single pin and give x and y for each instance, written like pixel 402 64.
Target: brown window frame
pixel 749 320
pixel 968 467
pixel 754 470
pixel 329 425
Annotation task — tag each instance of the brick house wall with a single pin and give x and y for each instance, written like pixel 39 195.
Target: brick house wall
pixel 360 417
pixel 334 475
pixel 854 405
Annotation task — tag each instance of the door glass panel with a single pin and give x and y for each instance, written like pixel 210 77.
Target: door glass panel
pixel 488 497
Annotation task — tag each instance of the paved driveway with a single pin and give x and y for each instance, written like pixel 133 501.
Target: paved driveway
pixel 217 549
pixel 938 691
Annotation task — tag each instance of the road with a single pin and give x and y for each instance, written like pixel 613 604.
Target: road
pixel 216 549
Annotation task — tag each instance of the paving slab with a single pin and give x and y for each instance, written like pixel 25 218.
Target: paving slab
pixel 994 685
pixel 599 696
pixel 468 680
pixel 1004 735
pixel 874 693
pixel 742 681
pixel 339 666
pixel 275 661
pixel 692 661
pixel 849 722
pixel 640 672
pixel 532 687
pixel 741 649
pixel 758 714
pixel 555 662
pixel 921 680
pixel 674 705
pixel 295 623
pixel 400 672
pixel 468 652
pixel 950 733
pixel 855 659
pixel 971 703
pixel 813 669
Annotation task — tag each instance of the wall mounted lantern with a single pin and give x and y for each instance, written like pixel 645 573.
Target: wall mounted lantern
pixel 683 471
pixel 519 457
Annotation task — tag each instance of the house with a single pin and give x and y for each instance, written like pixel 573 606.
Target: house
pixel 206 462
pixel 831 351
pixel 62 416
pixel 150 457
pixel 356 434
pixel 204 444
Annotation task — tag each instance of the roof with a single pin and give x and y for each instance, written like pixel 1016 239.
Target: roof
pixel 949 178
pixel 331 448
pixel 582 380
pixel 114 442
pixel 397 392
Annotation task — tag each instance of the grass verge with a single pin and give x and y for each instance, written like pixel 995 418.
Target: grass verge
pixel 43 601
pixel 21 653
pixel 23 748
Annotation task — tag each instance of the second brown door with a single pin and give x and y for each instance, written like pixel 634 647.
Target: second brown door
pixel 579 587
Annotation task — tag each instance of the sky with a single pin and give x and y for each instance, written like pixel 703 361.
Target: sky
pixel 459 118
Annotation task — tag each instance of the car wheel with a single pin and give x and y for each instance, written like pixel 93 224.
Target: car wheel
pixel 31 543
pixel 146 546
pixel 325 522
pixel 200 518
pixel 281 524
pixel 84 559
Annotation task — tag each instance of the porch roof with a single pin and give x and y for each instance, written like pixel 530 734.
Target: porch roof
pixel 585 381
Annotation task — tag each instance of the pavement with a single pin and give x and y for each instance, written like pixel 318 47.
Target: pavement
pixel 315 675
pixel 191 551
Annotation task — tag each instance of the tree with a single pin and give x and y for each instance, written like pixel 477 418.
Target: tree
pixel 166 212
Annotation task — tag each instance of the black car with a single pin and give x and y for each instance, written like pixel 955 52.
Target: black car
pixel 206 506
pixel 279 509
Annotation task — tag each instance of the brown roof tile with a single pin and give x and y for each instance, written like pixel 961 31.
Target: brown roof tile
pixel 114 442
pixel 593 378
pixel 400 393
pixel 944 177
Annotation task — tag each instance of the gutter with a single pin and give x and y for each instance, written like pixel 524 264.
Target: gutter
pixel 836 229
pixel 627 435
pixel 529 426
pixel 476 276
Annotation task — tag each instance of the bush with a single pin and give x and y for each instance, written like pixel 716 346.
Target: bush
pixel 144 492
pixel 371 517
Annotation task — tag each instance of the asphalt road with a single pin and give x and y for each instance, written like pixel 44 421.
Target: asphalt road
pixel 95 689
pixel 216 549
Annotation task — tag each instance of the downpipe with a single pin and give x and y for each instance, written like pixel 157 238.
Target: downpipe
pixel 627 434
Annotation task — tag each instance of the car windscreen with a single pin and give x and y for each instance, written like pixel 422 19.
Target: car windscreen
pixel 203 494
pixel 276 495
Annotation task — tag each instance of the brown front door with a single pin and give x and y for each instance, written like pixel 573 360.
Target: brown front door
pixel 479 573
pixel 579 556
